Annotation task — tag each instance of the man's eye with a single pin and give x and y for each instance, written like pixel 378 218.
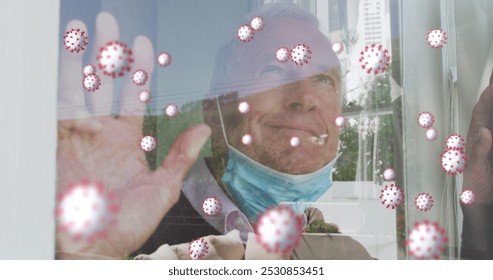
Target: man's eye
pixel 324 79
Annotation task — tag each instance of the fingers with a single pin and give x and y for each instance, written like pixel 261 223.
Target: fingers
pixel 101 101
pixel 143 54
pixel 71 100
pixel 481 115
pixel 480 149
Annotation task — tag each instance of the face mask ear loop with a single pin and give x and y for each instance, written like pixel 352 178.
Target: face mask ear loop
pixel 222 123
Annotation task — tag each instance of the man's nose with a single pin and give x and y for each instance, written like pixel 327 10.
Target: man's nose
pixel 301 96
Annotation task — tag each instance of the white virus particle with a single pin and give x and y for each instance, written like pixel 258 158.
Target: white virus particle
pixel 257 23
pixel 467 197
pixel 85 211
pixel 392 196
pixel 453 161
pixel 426 241
pixel 295 142
pixel 424 202
pixel 338 47
pixel 455 141
pixel 115 59
pixel 164 59
pixel 144 96
pixel 171 110
pixel 92 82
pixel 436 38
pixel 88 69
pixel 75 40
pixel 340 121
pixel 300 54
pixel 245 33
pixel 244 107
pixel 246 139
pixel 140 77
pixel 148 143
pixel 212 206
pixel 374 59
pixel 282 54
pixel 389 174
pixel 279 229
pixel 198 249
pixel 426 119
pixel 431 134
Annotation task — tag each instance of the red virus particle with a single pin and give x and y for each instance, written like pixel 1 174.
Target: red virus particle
pixel 140 77
pixel 115 59
pixel 247 139
pixel 145 96
pixel 148 143
pixel 426 119
pixel 279 229
pixel 431 134
pixel 282 54
pixel 245 33
pixel 171 110
pixel 198 249
pixel 212 206
pixel 257 23
pixel 374 59
pixel 392 196
pixel 244 107
pixel 338 47
pixel 85 210
pixel 426 241
pixel 455 141
pixel 300 54
pixel 467 197
pixel 88 69
pixel 453 161
pixel 164 59
pixel 424 202
pixel 91 82
pixel 436 38
pixel 75 40
pixel 389 174
pixel 341 122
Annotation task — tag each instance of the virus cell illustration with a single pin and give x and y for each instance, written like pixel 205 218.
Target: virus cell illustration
pixel 374 59
pixel 389 174
pixel 212 206
pixel 341 122
pixel 257 23
pixel 467 197
pixel 148 143
pixel 300 54
pixel 246 139
pixel 431 134
pixel 426 241
pixel 115 59
pixel 282 54
pixel 85 211
pixel 171 110
pixel 424 202
pixel 436 38
pixel 453 161
pixel 140 77
pixel 243 107
pixel 92 82
pixel 279 229
pixel 391 196
pixel 245 33
pixel 455 141
pixel 426 119
pixel 198 249
pixel 75 40
pixel 144 96
pixel 88 69
pixel 338 47
pixel 295 142
pixel 164 59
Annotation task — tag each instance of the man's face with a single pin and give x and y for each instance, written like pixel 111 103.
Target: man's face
pixel 293 101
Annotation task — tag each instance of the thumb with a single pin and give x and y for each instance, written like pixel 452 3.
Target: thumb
pixel 481 148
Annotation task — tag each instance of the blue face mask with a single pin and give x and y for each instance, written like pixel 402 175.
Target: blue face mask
pixel 256 187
